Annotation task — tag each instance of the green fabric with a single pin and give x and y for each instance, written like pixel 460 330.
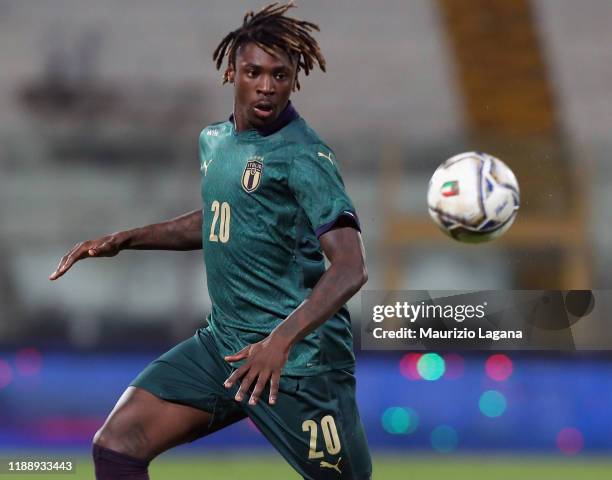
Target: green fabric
pixel 193 372
pixel 264 197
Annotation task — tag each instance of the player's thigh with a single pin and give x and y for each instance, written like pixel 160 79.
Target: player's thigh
pixel 316 426
pixel 177 398
pixel 142 425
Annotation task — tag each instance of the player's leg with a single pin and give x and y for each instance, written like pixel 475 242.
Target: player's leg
pixel 315 425
pixel 178 398
pixel 142 425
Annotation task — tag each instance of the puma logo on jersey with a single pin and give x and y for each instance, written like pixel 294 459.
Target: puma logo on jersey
pixel 212 133
pixel 329 157
pixel 335 467
pixel 205 165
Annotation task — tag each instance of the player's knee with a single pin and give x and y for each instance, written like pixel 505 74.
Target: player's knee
pixel 125 442
pixel 103 438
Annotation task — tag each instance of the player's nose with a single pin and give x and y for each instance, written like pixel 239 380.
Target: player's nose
pixel 266 85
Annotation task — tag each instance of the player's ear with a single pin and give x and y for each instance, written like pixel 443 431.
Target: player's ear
pixel 296 84
pixel 230 74
pixel 296 65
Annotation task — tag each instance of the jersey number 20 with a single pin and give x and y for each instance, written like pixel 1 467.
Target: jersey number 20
pixel 221 214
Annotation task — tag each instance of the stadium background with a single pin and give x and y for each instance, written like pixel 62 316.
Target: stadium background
pixel 101 103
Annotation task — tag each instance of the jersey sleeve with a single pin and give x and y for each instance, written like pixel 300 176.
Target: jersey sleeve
pixel 318 188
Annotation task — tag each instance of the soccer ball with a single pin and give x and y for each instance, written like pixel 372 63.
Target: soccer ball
pixel 473 197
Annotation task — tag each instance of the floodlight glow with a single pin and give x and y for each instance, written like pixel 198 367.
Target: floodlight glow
pixel 431 366
pixel 492 403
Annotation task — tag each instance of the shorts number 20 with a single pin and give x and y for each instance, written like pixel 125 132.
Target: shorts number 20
pixel 330 435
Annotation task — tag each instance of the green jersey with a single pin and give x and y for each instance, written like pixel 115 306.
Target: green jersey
pixel 267 197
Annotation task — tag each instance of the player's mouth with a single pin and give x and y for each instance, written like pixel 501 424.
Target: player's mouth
pixel 264 110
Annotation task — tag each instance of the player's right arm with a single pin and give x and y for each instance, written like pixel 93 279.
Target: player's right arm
pixel 180 233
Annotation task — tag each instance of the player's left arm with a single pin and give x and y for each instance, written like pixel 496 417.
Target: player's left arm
pixel 345 276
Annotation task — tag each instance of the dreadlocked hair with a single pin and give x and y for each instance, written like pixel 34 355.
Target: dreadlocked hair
pixel 271 31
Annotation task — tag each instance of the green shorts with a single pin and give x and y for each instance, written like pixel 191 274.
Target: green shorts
pixel 315 423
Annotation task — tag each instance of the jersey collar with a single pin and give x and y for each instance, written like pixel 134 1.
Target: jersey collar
pixel 285 118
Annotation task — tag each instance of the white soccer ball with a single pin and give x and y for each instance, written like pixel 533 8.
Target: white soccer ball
pixel 473 197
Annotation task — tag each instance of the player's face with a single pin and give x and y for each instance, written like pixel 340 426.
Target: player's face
pixel 262 86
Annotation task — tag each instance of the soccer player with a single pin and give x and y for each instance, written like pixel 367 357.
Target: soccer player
pixel 278 345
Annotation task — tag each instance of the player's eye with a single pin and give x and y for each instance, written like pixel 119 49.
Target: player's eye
pixel 281 76
pixel 251 73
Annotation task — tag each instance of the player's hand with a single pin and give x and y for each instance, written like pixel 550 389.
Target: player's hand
pixel 264 362
pixel 107 246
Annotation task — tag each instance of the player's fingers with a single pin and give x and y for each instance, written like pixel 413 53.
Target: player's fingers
pixel 241 355
pixel 235 376
pixel 68 260
pixel 245 385
pixel 59 270
pixel 262 380
pixel 274 383
pixel 73 257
